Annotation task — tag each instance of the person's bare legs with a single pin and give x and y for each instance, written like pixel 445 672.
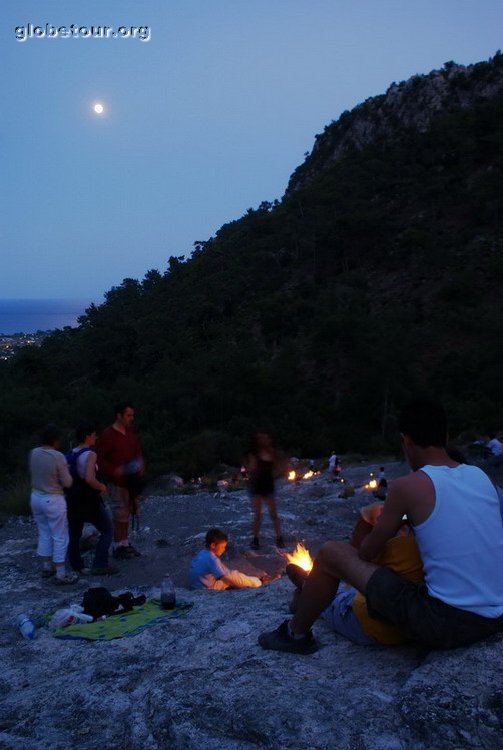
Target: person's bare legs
pixel 257 515
pixel 336 561
pixel 273 513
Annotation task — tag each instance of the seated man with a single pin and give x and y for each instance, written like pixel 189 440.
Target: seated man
pixel 207 571
pixel 455 512
pixel 347 614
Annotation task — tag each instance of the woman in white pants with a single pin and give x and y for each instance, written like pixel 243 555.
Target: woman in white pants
pixel 49 477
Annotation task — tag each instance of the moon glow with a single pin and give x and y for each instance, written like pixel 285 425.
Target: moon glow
pixel 98 108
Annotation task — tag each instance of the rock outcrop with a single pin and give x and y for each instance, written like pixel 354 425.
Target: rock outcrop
pixel 411 104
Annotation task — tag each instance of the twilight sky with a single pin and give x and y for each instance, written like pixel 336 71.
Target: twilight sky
pixel 203 121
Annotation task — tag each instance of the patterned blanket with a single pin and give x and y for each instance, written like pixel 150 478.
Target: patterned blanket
pixel 122 625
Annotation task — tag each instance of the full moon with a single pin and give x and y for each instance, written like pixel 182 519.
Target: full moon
pixel 99 108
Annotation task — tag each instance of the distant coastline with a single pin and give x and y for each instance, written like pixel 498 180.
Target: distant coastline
pixel 32 315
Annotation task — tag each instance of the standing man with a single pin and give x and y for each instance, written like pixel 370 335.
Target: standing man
pixel 121 463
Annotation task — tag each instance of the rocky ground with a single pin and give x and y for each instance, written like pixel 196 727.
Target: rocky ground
pixel 201 682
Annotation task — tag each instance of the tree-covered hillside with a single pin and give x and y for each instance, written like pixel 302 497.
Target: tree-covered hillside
pixel 313 317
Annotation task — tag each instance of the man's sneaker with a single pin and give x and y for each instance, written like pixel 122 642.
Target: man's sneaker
pixel 107 570
pixel 132 551
pixel 66 579
pixel 281 640
pixel 123 553
pixel 296 574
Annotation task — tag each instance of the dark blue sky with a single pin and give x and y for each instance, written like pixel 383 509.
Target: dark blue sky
pixel 206 119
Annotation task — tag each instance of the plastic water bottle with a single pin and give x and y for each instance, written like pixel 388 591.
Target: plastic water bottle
pixel 26 627
pixel 168 596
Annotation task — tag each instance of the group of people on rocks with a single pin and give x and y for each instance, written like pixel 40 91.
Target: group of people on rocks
pixel 425 565
pixel 67 492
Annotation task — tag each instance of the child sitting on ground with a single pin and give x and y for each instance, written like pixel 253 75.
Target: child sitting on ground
pixel 207 571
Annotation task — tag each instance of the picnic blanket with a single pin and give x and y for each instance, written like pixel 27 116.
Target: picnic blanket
pixel 122 625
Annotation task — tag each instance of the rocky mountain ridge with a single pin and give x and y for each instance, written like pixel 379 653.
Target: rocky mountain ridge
pixel 411 104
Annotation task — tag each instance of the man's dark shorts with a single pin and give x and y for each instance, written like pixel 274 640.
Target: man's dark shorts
pixel 429 621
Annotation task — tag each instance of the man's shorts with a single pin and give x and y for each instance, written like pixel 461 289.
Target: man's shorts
pixel 340 616
pixel 429 621
pixel 119 503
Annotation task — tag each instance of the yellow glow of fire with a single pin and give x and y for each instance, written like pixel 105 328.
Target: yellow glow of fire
pixel 371 485
pixel 308 475
pixel 301 557
pixel 292 476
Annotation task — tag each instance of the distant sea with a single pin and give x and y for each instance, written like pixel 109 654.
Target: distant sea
pixel 32 315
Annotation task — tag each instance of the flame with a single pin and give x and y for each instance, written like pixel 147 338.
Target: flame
pixel 292 476
pixel 300 556
pixel 308 474
pixel 371 485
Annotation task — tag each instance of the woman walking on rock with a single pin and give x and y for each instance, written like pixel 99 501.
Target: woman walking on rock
pixel 263 463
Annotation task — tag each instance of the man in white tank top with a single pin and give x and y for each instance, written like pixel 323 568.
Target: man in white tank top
pixel 456 515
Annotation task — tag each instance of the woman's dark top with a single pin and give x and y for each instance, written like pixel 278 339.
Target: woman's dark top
pixel 262 479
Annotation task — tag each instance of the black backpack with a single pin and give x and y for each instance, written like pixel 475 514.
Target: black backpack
pixel 98 601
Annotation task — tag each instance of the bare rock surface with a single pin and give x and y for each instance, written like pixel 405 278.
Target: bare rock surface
pixel 201 682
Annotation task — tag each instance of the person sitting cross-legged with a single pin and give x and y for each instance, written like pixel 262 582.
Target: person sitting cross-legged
pixel 455 513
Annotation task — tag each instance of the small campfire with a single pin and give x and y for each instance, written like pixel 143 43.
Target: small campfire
pixel 294 477
pixel 371 484
pixel 300 556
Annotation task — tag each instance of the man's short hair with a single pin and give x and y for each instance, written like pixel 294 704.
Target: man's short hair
pixel 83 430
pixel 425 422
pixel 121 407
pixel 215 535
pixel 50 434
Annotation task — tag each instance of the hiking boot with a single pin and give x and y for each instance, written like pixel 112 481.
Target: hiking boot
pixel 255 544
pixel 108 570
pixel 280 542
pixel 281 640
pixel 66 579
pixel 296 574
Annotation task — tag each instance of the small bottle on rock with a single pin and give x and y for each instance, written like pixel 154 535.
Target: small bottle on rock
pixel 168 597
pixel 26 627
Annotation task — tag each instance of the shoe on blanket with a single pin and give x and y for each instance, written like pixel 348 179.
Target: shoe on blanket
pixel 281 640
